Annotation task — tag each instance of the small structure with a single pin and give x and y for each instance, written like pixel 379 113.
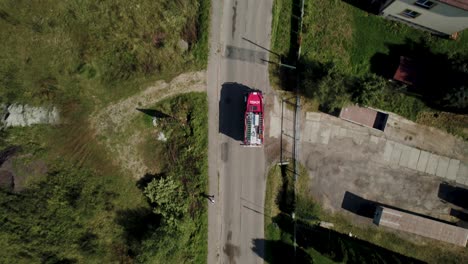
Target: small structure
pixel 420 226
pixel 440 17
pixel 407 71
pixel 365 116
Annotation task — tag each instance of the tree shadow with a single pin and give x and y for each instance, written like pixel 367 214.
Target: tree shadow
pixel 232 109
pixel 440 80
pixel 330 244
pixel 370 6
pixel 137 224
pixel 154 113
pixel 345 249
pixel 147 178
pixel 285 197
pixel 453 194
pixel 284 252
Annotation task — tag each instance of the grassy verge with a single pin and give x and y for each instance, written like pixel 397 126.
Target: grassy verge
pixel 184 158
pixel 316 244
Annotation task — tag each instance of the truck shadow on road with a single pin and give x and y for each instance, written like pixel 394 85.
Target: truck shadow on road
pixel 231 110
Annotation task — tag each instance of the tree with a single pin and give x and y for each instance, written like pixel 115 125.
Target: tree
pixel 332 92
pixel 457 98
pixel 168 199
pixel 370 90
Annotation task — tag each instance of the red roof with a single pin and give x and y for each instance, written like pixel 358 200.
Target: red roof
pixel 463 4
pixel 406 72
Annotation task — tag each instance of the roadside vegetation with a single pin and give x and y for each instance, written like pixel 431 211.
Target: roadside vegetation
pixel 316 244
pixel 71 201
pixel 348 55
pixel 176 193
pixel 66 212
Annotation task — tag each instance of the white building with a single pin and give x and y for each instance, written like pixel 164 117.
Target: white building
pixel 441 17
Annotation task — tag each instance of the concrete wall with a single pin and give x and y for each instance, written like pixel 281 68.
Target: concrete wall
pixel 441 18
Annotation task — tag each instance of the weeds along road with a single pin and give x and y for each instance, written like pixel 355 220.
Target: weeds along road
pixel 236 174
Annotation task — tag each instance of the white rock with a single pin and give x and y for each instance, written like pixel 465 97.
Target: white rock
pixel 25 115
pixel 162 137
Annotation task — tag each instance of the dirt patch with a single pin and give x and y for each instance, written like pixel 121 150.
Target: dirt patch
pixel 113 124
pixel 17 170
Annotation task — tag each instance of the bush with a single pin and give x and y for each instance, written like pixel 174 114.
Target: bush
pixel 369 90
pixel 168 199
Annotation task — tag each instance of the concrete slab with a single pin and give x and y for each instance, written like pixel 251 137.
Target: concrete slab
pixel 388 149
pixel 413 159
pixel 463 172
pixel 313 116
pixel 452 170
pixel 396 154
pixel 405 156
pixel 275 126
pixel 311 131
pixel 422 162
pixel 343 132
pixel 432 164
pixel 357 136
pixel 324 136
pixel 442 167
pixel 374 139
pixel 335 131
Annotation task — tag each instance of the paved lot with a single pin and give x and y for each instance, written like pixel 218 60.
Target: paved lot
pixel 346 160
pixel 319 128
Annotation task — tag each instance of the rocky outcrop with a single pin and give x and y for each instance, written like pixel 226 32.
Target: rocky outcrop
pixel 24 115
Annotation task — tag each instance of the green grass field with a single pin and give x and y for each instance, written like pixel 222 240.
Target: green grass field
pixel 56 52
pixel 83 56
pixel 337 32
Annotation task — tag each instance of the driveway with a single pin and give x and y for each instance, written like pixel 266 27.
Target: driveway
pixel 236 174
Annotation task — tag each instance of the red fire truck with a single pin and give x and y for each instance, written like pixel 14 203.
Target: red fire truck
pixel 253 120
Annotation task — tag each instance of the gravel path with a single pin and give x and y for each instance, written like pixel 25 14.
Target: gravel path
pixel 112 124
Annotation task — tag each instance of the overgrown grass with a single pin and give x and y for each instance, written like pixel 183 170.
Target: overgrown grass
pixel 453 123
pixel 96 51
pixel 64 211
pixel 82 56
pixel 337 32
pixel 77 211
pixel 184 159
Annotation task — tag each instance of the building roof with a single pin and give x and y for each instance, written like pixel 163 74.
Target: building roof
pixel 407 71
pixel 364 116
pixel 421 226
pixel 463 4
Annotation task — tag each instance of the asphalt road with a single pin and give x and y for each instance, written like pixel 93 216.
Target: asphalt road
pixel 237 174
